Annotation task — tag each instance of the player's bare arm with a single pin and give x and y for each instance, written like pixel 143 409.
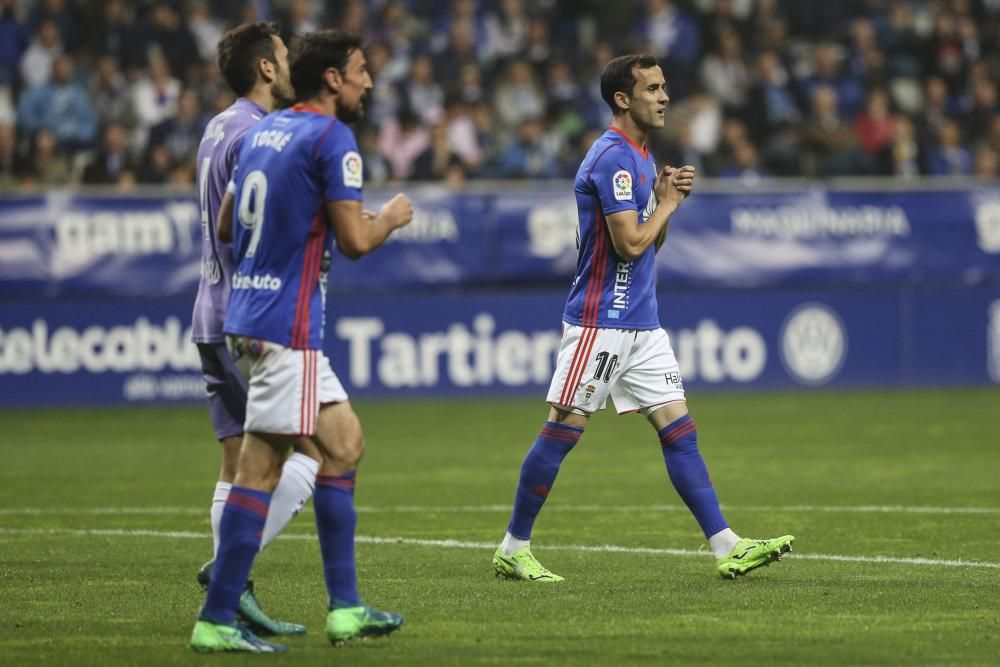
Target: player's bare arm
pixel 629 238
pixel 359 232
pixel 224 225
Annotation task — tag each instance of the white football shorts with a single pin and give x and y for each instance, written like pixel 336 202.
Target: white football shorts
pixel 637 369
pixel 285 386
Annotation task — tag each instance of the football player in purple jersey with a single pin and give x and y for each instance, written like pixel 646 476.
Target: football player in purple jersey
pixel 296 194
pixel 254 62
pixel 612 342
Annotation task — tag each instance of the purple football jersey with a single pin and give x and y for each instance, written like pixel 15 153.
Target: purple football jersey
pixel 217 155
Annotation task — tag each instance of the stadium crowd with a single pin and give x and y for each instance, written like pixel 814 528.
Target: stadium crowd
pixel 118 92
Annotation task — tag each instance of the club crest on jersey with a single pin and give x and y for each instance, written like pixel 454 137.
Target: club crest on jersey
pixel 352 170
pixel 622 181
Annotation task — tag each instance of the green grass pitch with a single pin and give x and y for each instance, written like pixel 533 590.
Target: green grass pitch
pixel 894 498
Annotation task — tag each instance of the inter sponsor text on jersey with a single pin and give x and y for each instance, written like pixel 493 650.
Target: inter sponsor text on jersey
pixel 609 292
pixel 217 154
pixel 292 162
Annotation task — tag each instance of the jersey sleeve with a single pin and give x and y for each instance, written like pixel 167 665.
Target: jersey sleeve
pixel 340 165
pixel 614 178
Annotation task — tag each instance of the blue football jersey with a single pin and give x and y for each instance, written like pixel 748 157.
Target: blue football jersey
pixel 292 162
pixel 609 292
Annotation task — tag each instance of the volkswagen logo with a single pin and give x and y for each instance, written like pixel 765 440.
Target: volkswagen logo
pixel 813 344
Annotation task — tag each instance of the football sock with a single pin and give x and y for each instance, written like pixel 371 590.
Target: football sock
pixel 538 474
pixel 679 442
pixel 239 541
pixel 723 542
pixel 511 544
pixel 218 504
pixel 335 523
pixel 298 477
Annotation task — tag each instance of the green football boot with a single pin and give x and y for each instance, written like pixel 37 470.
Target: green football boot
pixel 750 554
pixel 345 623
pixel 208 637
pixel 250 611
pixel 522 565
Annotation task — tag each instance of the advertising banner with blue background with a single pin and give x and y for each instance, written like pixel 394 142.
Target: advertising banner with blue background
pixel 64 244
pixel 778 289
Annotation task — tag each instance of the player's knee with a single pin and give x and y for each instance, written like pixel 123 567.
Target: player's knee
pixel 354 450
pixel 260 462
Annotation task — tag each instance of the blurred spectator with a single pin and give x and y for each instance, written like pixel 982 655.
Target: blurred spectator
pixel 61 14
pixel 745 165
pixel 772 115
pixel 433 164
pixel 376 170
pixel 984 105
pixel 14 38
pixel 155 95
pixel 181 133
pixel 724 73
pixel 113 33
pixel 704 118
pixel 669 33
pixel 986 164
pixel 532 155
pixel 459 49
pixel 901 42
pixel 46 167
pixel 518 96
pixel 206 29
pixel 469 86
pixel 679 149
pixel 353 17
pixel 831 143
pixel 401 140
pixel 172 38
pixel 992 138
pixel 9 164
pixel 875 124
pixel 904 155
pixel 947 156
pixel 423 94
pixel 385 96
pixel 506 30
pixel 487 136
pixel 462 135
pixel 301 19
pixel 945 55
pixel 109 94
pixel 157 167
pixel 60 106
pixel 36 64
pixel 538 49
pixel 113 162
pixel 827 72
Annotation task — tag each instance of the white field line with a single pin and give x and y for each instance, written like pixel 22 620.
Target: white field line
pixel 473 509
pixel 489 546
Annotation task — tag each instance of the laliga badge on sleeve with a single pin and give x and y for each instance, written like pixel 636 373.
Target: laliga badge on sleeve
pixel 622 182
pixel 352 170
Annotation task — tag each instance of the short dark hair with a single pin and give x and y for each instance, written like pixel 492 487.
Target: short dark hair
pixel 617 77
pixel 241 49
pixel 314 53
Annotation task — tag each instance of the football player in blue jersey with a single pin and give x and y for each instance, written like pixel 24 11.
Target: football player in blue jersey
pixel 254 62
pixel 612 342
pixel 296 193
